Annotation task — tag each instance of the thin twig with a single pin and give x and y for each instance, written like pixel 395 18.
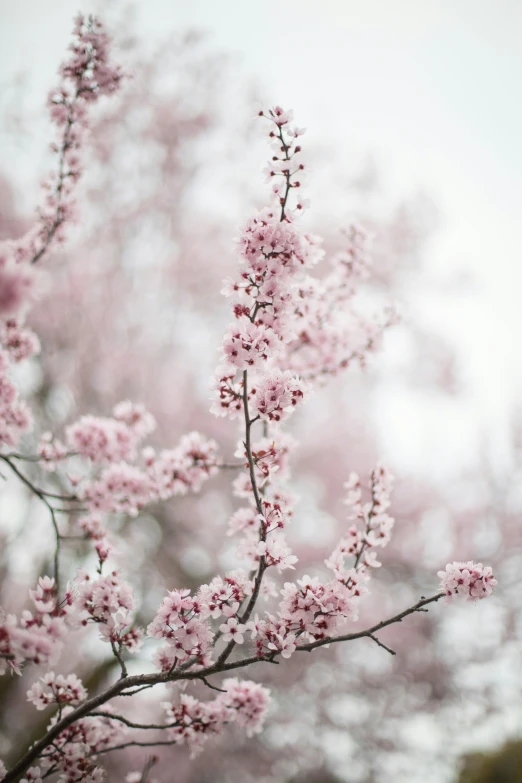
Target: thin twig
pixel 398 618
pixel 43 497
pixel 381 644
pixel 213 687
pixel 132 744
pixel 130 723
pixel 151 762
pixel 259 505
pixel 119 658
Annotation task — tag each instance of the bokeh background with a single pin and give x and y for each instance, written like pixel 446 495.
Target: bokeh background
pixel 414 125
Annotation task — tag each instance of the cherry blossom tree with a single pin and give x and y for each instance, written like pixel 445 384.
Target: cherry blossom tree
pixel 291 330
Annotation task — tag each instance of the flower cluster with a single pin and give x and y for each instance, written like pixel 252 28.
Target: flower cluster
pixel 272 550
pixel 15 416
pixel 127 487
pixel 473 580
pixel 111 439
pixel 180 622
pixel 270 455
pixel 56 689
pixel 96 532
pixel 372 524
pixel 109 602
pixel 277 393
pixel 18 341
pixel 222 596
pixel 248 345
pixel 184 621
pixel 309 610
pixel 73 752
pixel 86 76
pixel 114 477
pixel 243 702
pixel 283 322
pixel 187 467
pixel 262 524
pixel 332 330
pixel 16 344
pixel 122 487
pixel 16 282
pixel 274 253
pixel 51 451
pixel 37 635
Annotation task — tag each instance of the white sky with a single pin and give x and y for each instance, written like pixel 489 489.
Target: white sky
pixel 430 87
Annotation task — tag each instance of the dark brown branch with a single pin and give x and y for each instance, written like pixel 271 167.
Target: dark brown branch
pixel 119 658
pixel 37 490
pixel 286 175
pixel 43 496
pixel 364 544
pixel 212 687
pixel 148 680
pixel 248 444
pixel 369 632
pixel 33 458
pixel 259 505
pixel 130 723
pixel 133 744
pixel 381 644
pixel 151 762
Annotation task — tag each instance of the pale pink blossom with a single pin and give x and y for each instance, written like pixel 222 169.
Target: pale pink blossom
pixel 16 283
pixel 472 580
pixel 285 645
pixel 56 689
pixel 232 630
pixel 277 393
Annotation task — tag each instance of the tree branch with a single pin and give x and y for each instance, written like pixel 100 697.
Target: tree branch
pixel 149 680
pixel 398 618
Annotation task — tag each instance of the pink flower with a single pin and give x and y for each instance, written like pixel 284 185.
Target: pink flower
pixel 254 626
pixel 233 630
pixel 180 622
pixel 280 116
pixel 85 77
pixel 277 393
pixel 33 775
pixel 243 702
pixel 285 645
pixel 52 689
pixel 115 439
pixel 247 345
pixel 44 596
pixel 16 282
pixel 473 580
pixel 185 468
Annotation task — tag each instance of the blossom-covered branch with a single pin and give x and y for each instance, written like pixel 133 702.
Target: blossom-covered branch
pixel 251 697
pixel 288 328
pixel 86 76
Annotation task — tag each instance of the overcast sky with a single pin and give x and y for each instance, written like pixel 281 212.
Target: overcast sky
pixel 431 87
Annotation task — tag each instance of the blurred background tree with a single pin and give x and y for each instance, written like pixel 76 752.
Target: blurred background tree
pixel 501 766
